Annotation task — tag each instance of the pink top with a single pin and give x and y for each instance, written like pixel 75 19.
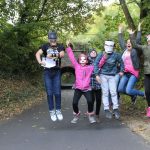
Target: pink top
pixel 102 61
pixel 82 73
pixel 128 66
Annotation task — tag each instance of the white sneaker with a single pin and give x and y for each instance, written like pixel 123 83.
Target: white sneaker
pixel 53 115
pixel 92 119
pixel 59 115
pixel 75 119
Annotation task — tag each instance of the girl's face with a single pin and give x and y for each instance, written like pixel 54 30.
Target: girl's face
pixel 82 59
pixel 129 45
pixel 93 54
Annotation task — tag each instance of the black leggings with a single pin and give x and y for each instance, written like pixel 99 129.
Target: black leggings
pixel 147 88
pixel 96 96
pixel 77 95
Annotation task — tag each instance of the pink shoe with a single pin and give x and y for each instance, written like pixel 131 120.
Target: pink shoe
pixel 148 112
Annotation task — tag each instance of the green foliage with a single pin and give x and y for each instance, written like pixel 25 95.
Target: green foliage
pixel 29 22
pixel 105 27
pixel 146 27
pixel 24 26
pixel 137 110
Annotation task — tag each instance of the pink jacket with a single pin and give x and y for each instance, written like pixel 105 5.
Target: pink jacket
pixel 82 73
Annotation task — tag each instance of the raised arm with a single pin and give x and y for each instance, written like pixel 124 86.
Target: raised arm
pixel 138 37
pixel 135 45
pixel 71 54
pixel 139 34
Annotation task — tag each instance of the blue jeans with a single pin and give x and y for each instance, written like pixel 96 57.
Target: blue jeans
pixel 52 79
pixel 126 85
pixel 117 79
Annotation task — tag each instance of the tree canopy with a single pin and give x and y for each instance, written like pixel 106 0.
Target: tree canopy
pixel 25 23
pixel 128 12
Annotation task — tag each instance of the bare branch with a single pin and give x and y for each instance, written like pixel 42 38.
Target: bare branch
pixel 41 11
pixel 127 14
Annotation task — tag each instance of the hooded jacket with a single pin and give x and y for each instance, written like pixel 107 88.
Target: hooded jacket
pixel 110 67
pixel 145 49
pixel 82 73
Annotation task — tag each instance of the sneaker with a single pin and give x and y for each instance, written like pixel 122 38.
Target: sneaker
pixel 75 118
pixel 92 119
pixel 133 99
pixel 108 114
pixel 116 113
pixel 148 112
pixel 59 115
pixel 113 114
pixel 53 115
pixel 97 118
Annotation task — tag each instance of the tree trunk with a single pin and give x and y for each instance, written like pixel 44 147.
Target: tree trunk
pixel 127 14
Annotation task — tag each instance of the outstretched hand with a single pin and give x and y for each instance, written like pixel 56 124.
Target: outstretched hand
pixel 69 44
pixel 130 31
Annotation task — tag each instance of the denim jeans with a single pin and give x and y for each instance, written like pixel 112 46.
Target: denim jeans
pixel 52 79
pixel 117 78
pixel 126 85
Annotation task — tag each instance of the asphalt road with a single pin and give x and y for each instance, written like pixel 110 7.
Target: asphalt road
pixel 33 130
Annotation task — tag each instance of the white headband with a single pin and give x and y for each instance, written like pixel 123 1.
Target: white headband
pixel 110 43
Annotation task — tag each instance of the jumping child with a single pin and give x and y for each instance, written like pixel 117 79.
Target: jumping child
pixel 82 83
pixel 106 77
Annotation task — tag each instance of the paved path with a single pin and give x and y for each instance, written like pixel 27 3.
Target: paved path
pixel 33 130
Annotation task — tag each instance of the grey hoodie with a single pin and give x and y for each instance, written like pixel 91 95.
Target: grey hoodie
pixel 146 52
